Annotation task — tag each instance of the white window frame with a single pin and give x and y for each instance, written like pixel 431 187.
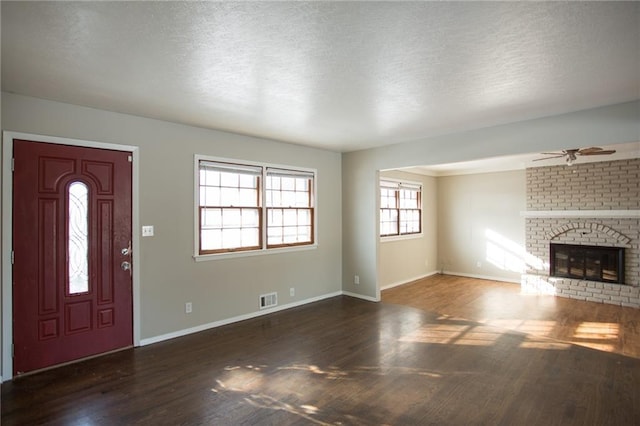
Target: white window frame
pixel 263 249
pixel 400 182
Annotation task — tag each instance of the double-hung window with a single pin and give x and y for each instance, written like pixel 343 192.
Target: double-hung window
pixel 289 207
pixel 400 208
pixel 252 207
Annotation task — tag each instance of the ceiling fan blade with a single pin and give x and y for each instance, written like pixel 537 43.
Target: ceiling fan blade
pixel 549 158
pixel 603 152
pixel 559 154
pixel 589 151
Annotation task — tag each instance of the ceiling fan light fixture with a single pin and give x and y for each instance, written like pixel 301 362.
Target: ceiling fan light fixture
pixel 571 157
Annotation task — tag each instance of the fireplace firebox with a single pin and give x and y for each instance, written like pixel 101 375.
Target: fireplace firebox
pixel 593 263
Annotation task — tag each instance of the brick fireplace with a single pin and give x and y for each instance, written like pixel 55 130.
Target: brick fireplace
pixel 589 204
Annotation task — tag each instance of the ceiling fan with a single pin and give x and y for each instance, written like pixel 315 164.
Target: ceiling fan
pixel 571 155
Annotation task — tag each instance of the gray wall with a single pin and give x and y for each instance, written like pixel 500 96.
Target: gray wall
pixel 219 289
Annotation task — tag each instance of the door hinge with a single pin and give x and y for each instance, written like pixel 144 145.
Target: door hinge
pixel 13 350
pixel 13 256
pixel 13 164
pixel 130 158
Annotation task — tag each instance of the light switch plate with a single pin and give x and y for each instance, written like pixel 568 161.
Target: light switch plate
pixel 147 231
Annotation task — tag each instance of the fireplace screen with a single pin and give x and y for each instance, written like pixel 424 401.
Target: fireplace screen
pixel 587 262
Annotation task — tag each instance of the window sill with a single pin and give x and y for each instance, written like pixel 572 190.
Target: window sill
pixel 401 237
pixel 250 253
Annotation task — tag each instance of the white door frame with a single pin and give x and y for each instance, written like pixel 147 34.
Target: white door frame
pixel 7 235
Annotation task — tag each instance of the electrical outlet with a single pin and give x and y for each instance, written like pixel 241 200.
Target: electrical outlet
pixel 479 264
pixel 188 308
pixel 356 279
pixel 147 231
pixel 292 292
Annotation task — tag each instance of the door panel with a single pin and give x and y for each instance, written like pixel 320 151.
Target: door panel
pixel 71 299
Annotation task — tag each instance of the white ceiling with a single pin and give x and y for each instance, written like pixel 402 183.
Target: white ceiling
pixel 337 75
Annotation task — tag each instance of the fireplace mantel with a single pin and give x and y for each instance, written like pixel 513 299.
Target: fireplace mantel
pixel 626 214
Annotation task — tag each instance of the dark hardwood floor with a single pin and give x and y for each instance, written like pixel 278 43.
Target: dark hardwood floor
pixel 339 361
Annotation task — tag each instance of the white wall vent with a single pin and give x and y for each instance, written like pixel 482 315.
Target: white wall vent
pixel 268 300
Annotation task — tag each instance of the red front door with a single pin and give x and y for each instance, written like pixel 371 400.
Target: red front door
pixel 72 295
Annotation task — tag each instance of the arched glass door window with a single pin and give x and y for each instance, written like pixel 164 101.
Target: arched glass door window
pixel 78 238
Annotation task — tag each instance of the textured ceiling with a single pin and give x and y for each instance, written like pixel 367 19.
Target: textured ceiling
pixel 338 75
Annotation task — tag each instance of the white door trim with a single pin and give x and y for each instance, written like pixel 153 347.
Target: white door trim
pixel 7 235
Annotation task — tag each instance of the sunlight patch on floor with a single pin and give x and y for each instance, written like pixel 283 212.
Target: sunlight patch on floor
pixel 525 326
pixel 533 342
pixel 597 330
pixel 597 335
pixel 331 373
pixel 447 334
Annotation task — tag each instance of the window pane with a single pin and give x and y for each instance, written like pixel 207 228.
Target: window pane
pixel 273 183
pixel 211 239
pixel 209 177
pixel 288 199
pixel 210 196
pixel 229 179
pixel 288 184
pixel 304 233
pixel 275 216
pixel 231 238
pixel 250 237
pixel 248 181
pixel 231 218
pixel 289 217
pixel 277 199
pixel 304 217
pixel 302 185
pixel 250 218
pixel 275 233
pixel 248 197
pixel 302 199
pixel 229 197
pixel 290 234
pixel 212 218
pixel 78 238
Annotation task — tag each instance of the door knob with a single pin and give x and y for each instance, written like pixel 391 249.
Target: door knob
pixel 126 266
pixel 127 250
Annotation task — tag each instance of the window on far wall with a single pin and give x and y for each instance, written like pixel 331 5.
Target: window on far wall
pixel 252 207
pixel 400 208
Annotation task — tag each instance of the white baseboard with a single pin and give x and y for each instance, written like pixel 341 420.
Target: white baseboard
pixel 361 296
pixel 410 280
pixel 227 321
pixel 482 277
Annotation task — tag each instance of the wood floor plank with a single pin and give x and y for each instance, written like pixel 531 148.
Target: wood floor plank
pixel 338 361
